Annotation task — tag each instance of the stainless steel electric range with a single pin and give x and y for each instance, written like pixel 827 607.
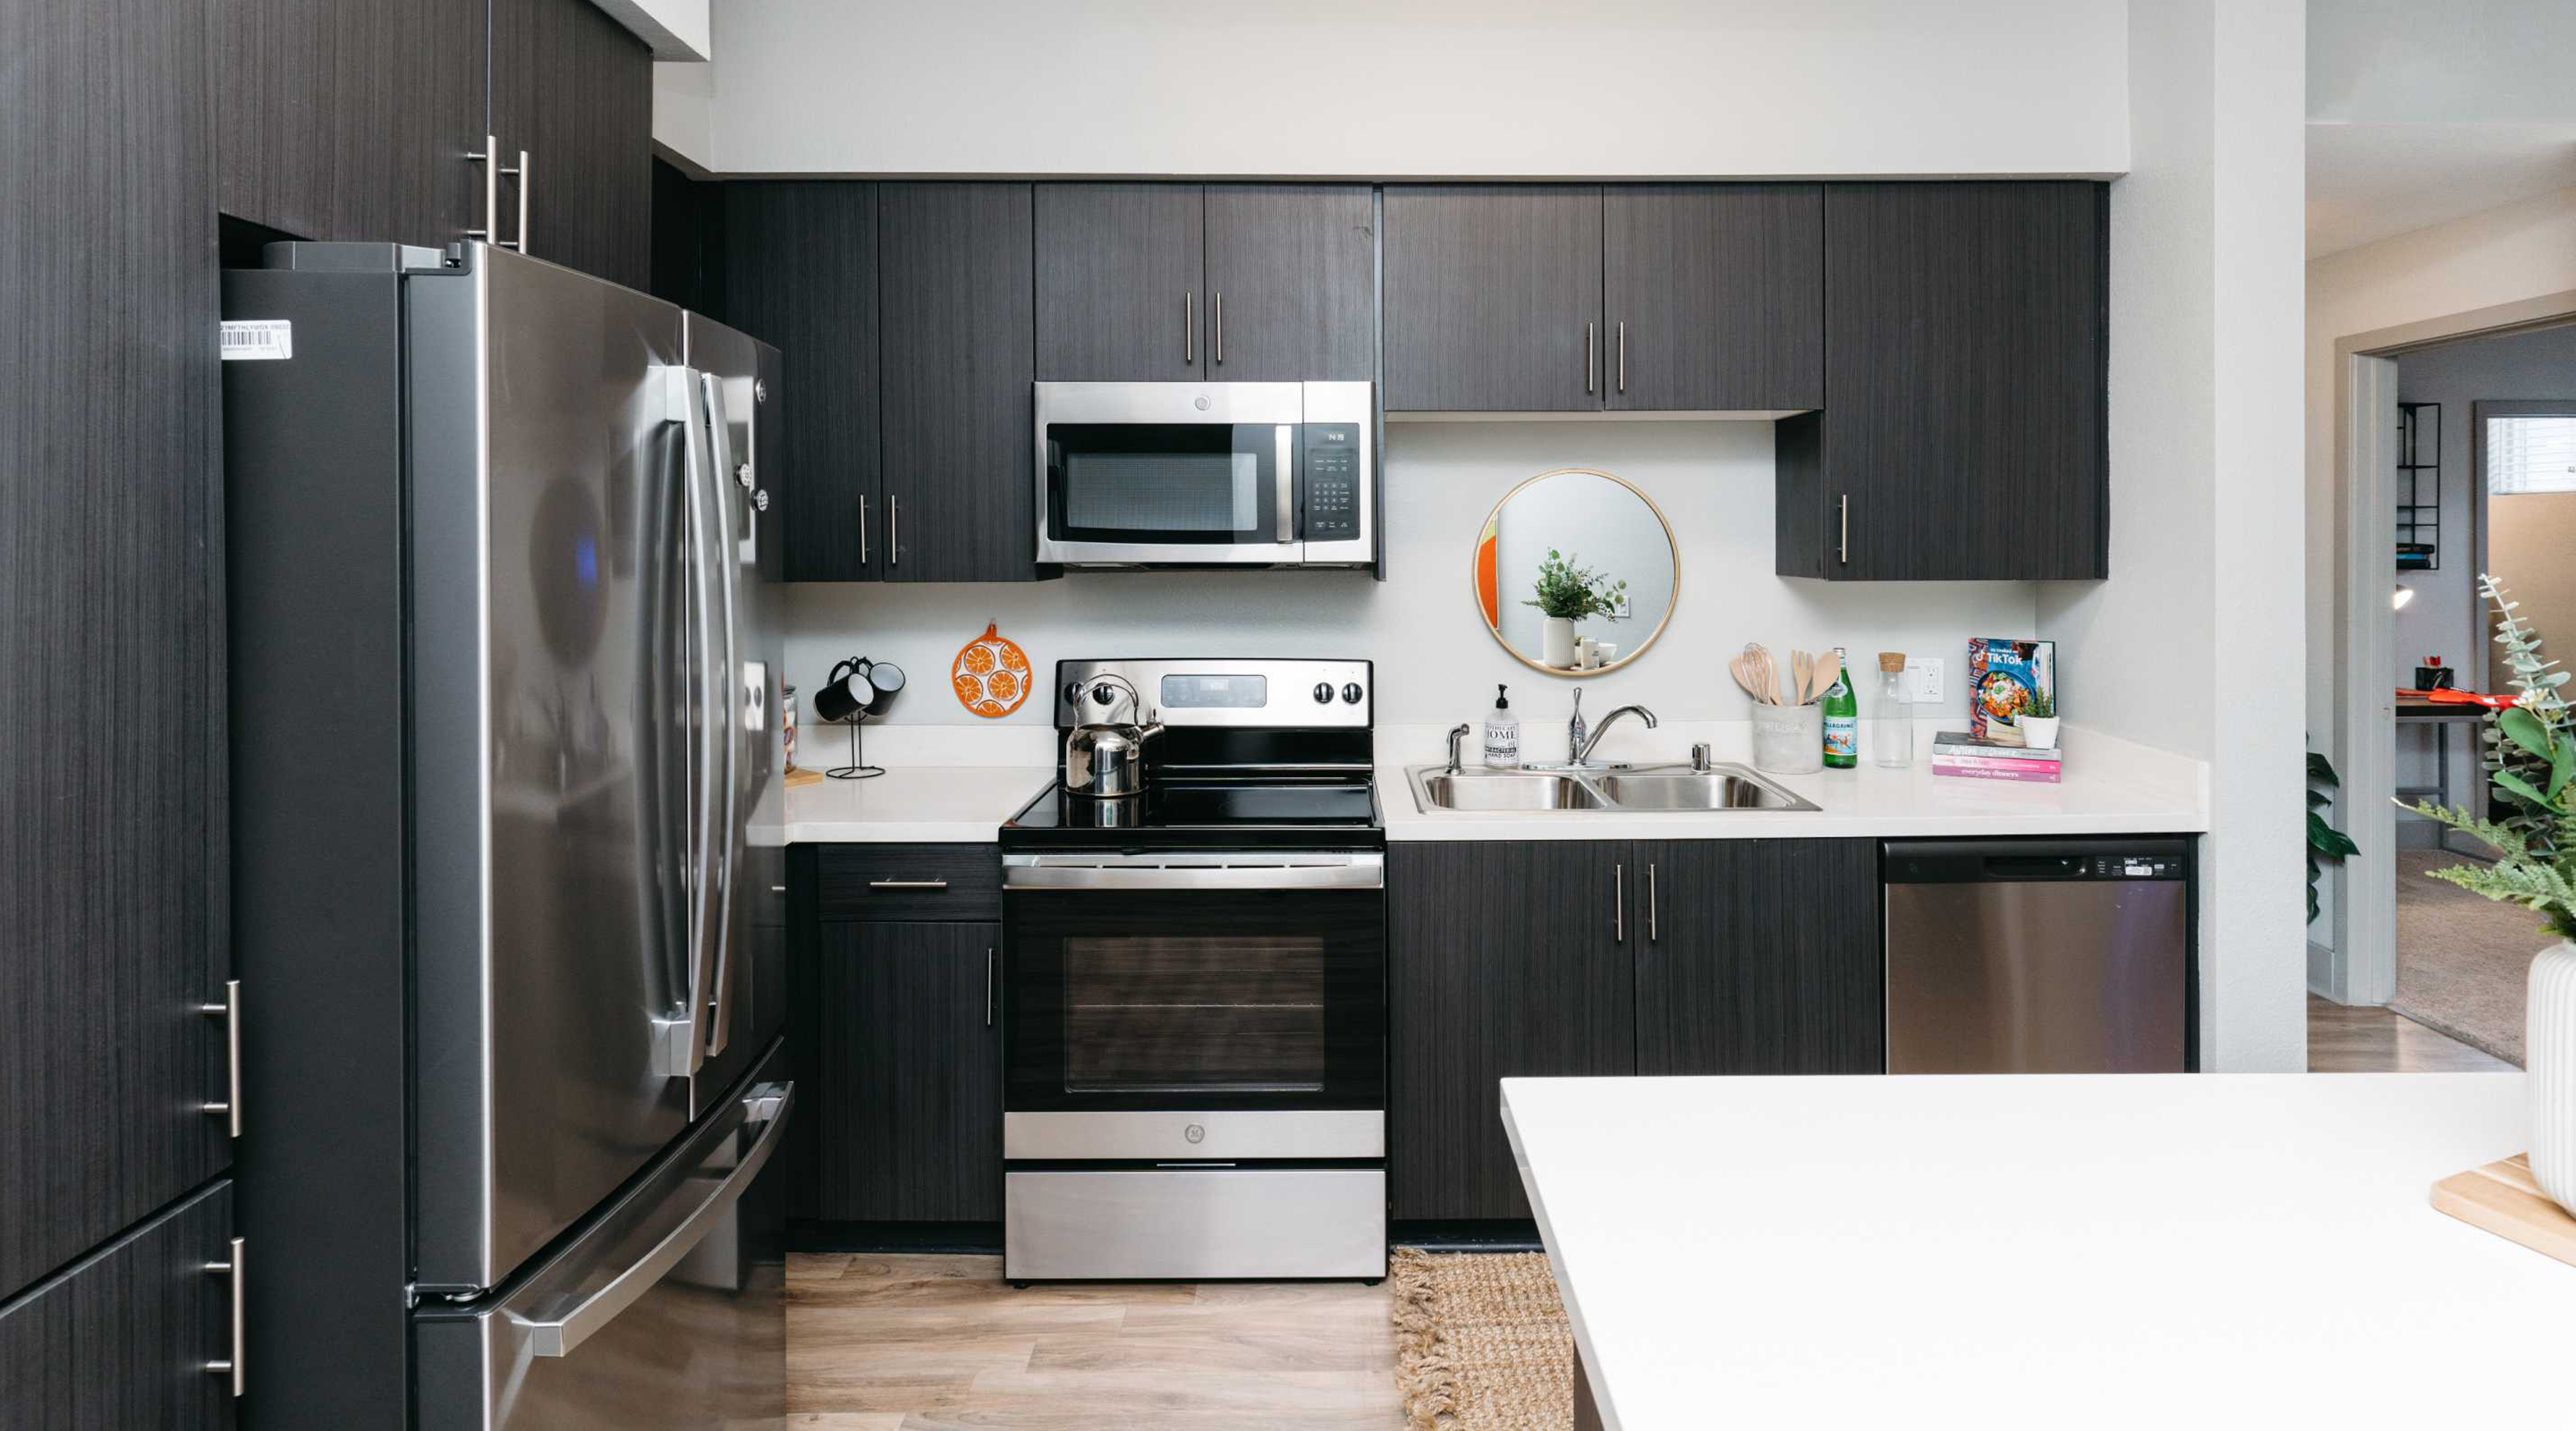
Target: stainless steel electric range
pixel 1194 1031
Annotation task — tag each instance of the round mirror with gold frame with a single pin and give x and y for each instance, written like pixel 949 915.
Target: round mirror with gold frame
pixel 1575 572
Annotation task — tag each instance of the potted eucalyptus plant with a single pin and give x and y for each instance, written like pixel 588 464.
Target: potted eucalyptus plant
pixel 2531 758
pixel 1566 593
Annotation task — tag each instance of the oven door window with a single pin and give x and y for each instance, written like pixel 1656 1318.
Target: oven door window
pixel 1160 1001
pixel 1164 483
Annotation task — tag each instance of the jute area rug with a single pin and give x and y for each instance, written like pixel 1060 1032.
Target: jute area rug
pixel 1481 1342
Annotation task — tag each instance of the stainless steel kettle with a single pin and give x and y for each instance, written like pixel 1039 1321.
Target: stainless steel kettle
pixel 1106 760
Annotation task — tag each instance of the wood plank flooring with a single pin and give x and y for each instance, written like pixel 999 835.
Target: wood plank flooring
pixel 942 1343
pixel 2367 1039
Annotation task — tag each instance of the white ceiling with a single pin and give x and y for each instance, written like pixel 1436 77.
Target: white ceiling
pixel 2418 113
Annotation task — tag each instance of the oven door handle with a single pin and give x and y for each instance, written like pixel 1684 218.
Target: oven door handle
pixel 1062 878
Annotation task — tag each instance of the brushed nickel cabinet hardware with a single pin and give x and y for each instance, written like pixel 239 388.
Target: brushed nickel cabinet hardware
pixel 1189 327
pixel 1220 325
pixel 988 986
pixel 489 157
pixel 1623 355
pixel 1619 903
pixel 521 174
pixel 1587 357
pixel 1845 541
pixel 236 1366
pixel 863 531
pixel 894 530
pixel 907 884
pixel 1651 933
pixel 229 1109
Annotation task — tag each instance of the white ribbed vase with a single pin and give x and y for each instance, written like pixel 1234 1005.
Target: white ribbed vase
pixel 2549 1066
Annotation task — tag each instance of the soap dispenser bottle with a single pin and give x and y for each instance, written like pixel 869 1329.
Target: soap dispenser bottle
pixel 1502 733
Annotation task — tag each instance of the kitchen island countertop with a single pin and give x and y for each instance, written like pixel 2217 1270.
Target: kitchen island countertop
pixel 2040 1251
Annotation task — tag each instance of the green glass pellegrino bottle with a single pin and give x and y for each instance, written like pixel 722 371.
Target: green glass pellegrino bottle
pixel 1842 719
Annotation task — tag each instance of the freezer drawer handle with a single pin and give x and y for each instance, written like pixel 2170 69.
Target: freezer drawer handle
pixel 563 1333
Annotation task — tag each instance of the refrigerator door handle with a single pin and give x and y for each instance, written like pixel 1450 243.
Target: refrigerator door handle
pixel 560 1331
pixel 680 1042
pixel 716 1002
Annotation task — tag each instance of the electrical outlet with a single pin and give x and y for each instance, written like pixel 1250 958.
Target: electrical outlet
pixel 1925 679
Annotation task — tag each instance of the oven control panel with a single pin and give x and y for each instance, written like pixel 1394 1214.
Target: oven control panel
pixel 1332 482
pixel 1249 694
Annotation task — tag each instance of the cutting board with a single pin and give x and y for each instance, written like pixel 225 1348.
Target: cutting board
pixel 2502 1198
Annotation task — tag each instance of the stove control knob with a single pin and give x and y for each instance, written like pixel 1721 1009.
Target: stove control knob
pixel 1351 694
pixel 1103 694
pixel 1323 692
pixel 1073 693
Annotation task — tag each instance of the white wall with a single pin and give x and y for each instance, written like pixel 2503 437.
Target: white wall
pixel 2444 619
pixel 2192 643
pixel 1427 88
pixel 1436 664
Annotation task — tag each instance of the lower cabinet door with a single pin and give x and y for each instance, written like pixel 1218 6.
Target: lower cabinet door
pixel 1759 956
pixel 1504 960
pixel 126 1337
pixel 909 1121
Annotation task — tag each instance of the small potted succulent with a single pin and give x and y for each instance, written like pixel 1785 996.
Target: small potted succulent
pixel 2038 721
pixel 2531 758
pixel 1566 593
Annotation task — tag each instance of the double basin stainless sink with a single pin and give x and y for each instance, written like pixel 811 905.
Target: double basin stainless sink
pixel 1635 789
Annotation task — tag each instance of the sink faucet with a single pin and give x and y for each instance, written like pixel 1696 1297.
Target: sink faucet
pixel 1578 745
pixel 1457 734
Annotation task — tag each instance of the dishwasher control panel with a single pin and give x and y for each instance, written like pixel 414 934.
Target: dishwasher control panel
pixel 2136 867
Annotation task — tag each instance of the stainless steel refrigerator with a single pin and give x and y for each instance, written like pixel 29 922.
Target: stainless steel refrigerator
pixel 504 680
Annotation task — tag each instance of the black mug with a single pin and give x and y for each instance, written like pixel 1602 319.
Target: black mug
pixel 858 687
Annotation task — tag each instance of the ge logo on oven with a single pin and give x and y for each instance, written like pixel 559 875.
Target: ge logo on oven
pixel 1194 1133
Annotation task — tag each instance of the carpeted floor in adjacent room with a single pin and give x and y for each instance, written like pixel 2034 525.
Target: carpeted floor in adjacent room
pixel 2461 960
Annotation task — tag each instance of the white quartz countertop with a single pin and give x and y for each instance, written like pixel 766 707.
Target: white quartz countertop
pixel 1871 802
pixel 2100 1251
pixel 919 805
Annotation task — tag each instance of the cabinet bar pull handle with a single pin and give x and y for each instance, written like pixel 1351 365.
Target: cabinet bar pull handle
pixel 907 884
pixel 1651 934
pixel 988 986
pixel 1587 357
pixel 863 531
pixel 894 530
pixel 1619 902
pixel 521 243
pixel 1623 355
pixel 1189 327
pixel 1845 506
pixel 235 1366
pixel 230 1012
pixel 1220 325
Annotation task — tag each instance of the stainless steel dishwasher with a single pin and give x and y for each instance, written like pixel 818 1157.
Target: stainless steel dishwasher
pixel 2039 956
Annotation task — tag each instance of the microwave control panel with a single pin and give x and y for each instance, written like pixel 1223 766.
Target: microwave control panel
pixel 1332 481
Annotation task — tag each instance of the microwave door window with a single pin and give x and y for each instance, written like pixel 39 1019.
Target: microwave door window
pixel 1161 484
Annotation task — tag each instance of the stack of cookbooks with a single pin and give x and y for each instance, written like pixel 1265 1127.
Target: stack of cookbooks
pixel 1955 752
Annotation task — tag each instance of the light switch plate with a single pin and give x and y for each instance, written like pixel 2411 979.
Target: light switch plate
pixel 1925 679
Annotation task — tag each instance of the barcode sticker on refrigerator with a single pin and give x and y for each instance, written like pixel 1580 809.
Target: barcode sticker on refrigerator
pixel 258 338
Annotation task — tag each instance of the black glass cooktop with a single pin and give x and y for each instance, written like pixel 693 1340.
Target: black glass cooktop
pixel 1207 813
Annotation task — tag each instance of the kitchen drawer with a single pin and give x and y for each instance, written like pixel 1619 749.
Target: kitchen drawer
pixel 910 882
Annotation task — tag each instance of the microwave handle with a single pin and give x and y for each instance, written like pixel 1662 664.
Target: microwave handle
pixel 1287 483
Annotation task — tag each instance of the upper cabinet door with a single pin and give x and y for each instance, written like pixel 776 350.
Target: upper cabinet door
pixel 1292 282
pixel 575 89
pixel 1714 296
pixel 957 447
pixel 800 273
pixel 1493 298
pixel 1965 418
pixel 351 119
pixel 1121 282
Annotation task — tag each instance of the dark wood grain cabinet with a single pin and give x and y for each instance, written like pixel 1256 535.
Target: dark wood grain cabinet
pixel 353 119
pixel 1965 421
pixel 1583 958
pixel 111 530
pixel 1493 297
pixel 1713 297
pixel 1505 960
pixel 894 1027
pixel 799 265
pixel 1759 956
pixel 126 1337
pixel 955 364
pixel 1169 282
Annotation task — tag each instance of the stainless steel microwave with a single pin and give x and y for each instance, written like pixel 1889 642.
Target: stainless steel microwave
pixel 1206 474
